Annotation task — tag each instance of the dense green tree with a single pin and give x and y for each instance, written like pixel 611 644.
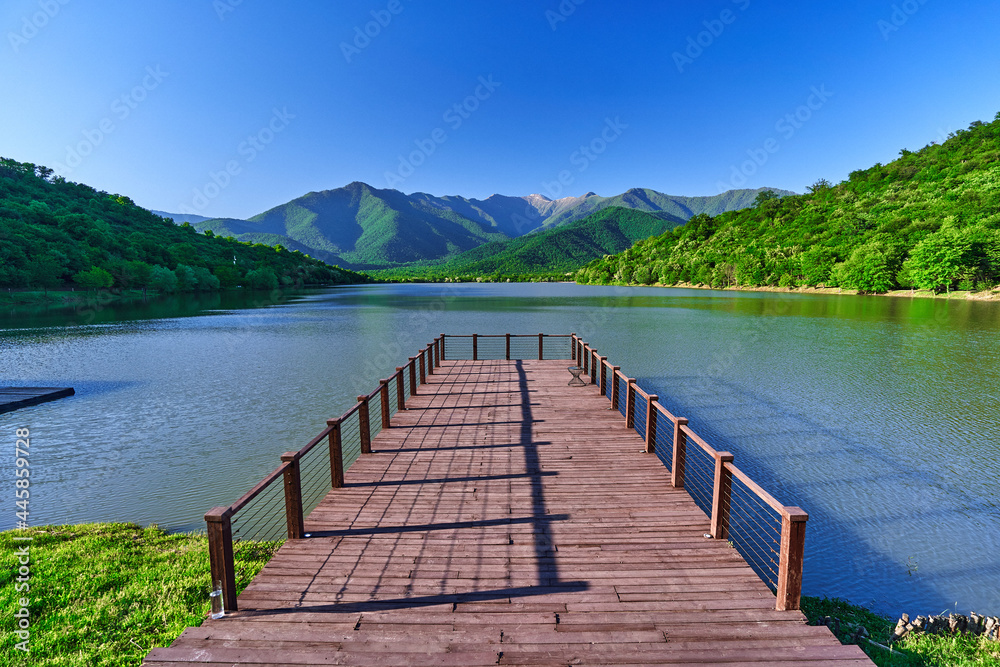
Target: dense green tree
pixel 163 279
pixel 94 278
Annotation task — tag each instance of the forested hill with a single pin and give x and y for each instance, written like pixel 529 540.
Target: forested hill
pixel 54 232
pixel 930 220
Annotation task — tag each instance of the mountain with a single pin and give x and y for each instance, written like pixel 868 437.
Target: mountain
pixel 181 218
pixel 53 232
pixel 369 228
pixel 553 251
pixel 929 220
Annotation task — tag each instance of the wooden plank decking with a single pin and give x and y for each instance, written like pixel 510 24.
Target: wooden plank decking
pixel 13 398
pixel 507 519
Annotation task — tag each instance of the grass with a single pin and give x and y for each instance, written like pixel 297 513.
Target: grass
pixel 914 650
pixel 105 594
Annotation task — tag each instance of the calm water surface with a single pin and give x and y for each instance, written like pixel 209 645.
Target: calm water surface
pixel 876 415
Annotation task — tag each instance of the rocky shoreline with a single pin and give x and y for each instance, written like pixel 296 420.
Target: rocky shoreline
pixel 973 624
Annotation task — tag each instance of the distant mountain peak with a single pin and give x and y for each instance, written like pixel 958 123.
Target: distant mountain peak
pixel 537 197
pixel 590 194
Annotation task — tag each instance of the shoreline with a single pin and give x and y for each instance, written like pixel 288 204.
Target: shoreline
pixel 991 295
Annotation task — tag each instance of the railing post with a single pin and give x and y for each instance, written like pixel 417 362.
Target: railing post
pixel 508 347
pixel 423 375
pixel 677 464
pixel 383 390
pixel 651 423
pixel 614 387
pixel 793 536
pixel 630 403
pixel 400 389
pixel 429 355
pixel 220 554
pixel 442 347
pixel 364 426
pixel 593 367
pixel 586 359
pixel 541 349
pixel 720 495
pixel 475 347
pixel 293 496
pixel 413 376
pixel 604 376
pixel 572 346
pixel 336 455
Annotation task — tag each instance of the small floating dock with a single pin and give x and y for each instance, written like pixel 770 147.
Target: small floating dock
pixel 15 398
pixel 500 517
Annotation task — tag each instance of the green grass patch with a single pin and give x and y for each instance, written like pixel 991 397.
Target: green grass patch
pixel 916 650
pixel 105 594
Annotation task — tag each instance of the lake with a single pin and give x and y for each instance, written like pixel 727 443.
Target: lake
pixel 876 415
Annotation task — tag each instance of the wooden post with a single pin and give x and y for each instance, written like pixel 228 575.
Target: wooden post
pixel 413 376
pixel 593 367
pixel 793 537
pixel 220 554
pixel 586 359
pixel 400 389
pixel 614 387
pixel 630 403
pixel 508 347
pixel 541 353
pixel 383 390
pixel 604 376
pixel 442 347
pixel 572 346
pixel 423 375
pixel 651 423
pixel 677 465
pixel 429 354
pixel 293 496
pixel 336 455
pixel 720 495
pixel 475 347
pixel 364 426
pixel 437 352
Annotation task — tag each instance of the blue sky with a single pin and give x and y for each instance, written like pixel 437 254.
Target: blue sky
pixel 230 107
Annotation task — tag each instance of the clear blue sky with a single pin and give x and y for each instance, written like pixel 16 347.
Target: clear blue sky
pixel 182 86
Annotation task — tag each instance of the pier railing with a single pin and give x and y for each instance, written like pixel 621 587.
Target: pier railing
pixel 768 534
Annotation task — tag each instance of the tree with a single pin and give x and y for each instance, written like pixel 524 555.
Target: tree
pixel 936 262
pixel 45 272
pixel 163 279
pixel 95 278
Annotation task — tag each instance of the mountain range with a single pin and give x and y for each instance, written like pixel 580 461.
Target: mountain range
pixel 365 228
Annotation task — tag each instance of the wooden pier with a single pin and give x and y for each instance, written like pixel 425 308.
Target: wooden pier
pixel 504 518
pixel 14 398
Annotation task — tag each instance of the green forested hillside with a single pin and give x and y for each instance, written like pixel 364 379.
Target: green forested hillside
pixel 53 232
pixel 930 220
pixel 552 252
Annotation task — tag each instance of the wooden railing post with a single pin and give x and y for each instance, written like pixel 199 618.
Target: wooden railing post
pixel 293 497
pixel 413 375
pixel 651 423
pixel 475 347
pixel 541 349
pixel 793 536
pixel 720 495
pixel 630 403
pixel 586 359
pixel 430 359
pixel 604 376
pixel 508 347
pixel 593 367
pixel 423 375
pixel 383 390
pixel 677 464
pixel 364 425
pixel 572 346
pixel 442 347
pixel 400 388
pixel 220 554
pixel 614 387
pixel 336 455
